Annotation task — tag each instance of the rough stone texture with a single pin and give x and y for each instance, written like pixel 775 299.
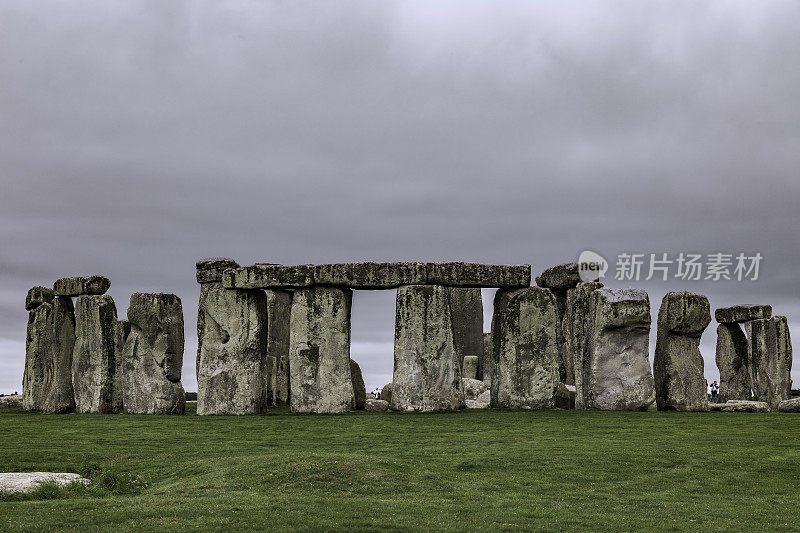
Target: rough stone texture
pixel 386 393
pixel 769 355
pixel 566 367
pixel 469 367
pixel 81 285
pixel 459 274
pixel 560 277
pixel 153 355
pixel 94 356
pixel 11 482
pixel 732 362
pixel 279 308
pixel 574 327
pixel 205 289
pixel 488 360
pixel 211 269
pixel 370 275
pixel 269 276
pixel 619 375
pixel 36 377
pixel 742 313
pixel 359 390
pixel 270 379
pixel 61 396
pixel 379 406
pixel 120 336
pixel 565 396
pixel 525 350
pixel 481 402
pixel 678 365
pixel 37 296
pixel 12 400
pixel 319 351
pixel 427 369
pixel 790 406
pixel 230 377
pixel 743 406
pixel 473 388
pixel 466 314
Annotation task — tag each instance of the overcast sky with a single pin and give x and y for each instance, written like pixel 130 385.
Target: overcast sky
pixel 138 137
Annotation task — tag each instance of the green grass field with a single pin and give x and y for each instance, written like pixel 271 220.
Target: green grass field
pixel 471 470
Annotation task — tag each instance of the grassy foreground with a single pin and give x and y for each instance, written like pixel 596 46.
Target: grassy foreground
pixel 471 470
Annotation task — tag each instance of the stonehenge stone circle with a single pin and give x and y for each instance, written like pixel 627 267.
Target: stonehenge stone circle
pixel 525 350
pixel 94 355
pixel 153 355
pixel 61 395
pixel 678 365
pixel 576 318
pixel 732 362
pixel 618 376
pixel 36 378
pixel 81 285
pixel 469 367
pixel 467 317
pixel 427 369
pixel 230 377
pixel 742 313
pixel 37 296
pixel 279 307
pixel 359 390
pixel 319 351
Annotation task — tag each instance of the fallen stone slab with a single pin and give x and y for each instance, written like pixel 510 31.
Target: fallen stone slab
pixel 210 270
pixel 743 406
pixel 369 275
pixel 37 296
pixel 378 406
pixel 460 274
pixel 268 276
pixel 11 401
pixel 481 402
pixel 94 355
pixel 11 482
pixel 561 277
pixel 473 388
pixel 469 367
pixel 81 285
pixel 789 406
pixel 742 313
pixel 359 390
pixel 732 362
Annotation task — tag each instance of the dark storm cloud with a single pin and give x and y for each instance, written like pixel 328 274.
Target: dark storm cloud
pixel 138 137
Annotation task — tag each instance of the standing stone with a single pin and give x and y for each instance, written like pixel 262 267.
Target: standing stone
pixel 359 389
pixel 769 348
pixel 120 336
pixel 525 351
pixel 386 393
pixel 619 376
pixel 37 296
pixel 209 276
pixel 279 306
pixel 81 285
pixel 742 313
pixel 270 380
pixel 784 350
pixel 94 357
pixel 678 365
pixel 230 378
pixel 469 367
pixel 36 378
pixel 153 355
pixel 61 396
pixel 488 359
pixel 467 316
pixel 731 357
pixel 576 318
pixel 319 351
pixel 427 369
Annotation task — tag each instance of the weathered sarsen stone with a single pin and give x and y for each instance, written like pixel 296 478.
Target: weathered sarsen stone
pixel 370 275
pixel 61 396
pixel 359 390
pixel 459 274
pixel 230 378
pixel 525 350
pixel 488 359
pixel 120 336
pixel 269 276
pixel 769 355
pixel 36 377
pixel 80 285
pixel 466 312
pixel 469 367
pixel 783 346
pixel 94 356
pixel 211 269
pixel 678 365
pixel 386 393
pixel 427 369
pixel 37 296
pixel 562 277
pixel 742 313
pixel 153 355
pixel 732 362
pixel 619 375
pixel 279 307
pixel 319 351
pixel 576 318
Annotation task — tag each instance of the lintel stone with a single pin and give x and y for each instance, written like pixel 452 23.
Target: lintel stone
pixel 742 313
pixel 268 276
pixel 369 275
pixel 38 296
pixel 81 285
pixel 460 274
pixel 561 277
pixel 211 269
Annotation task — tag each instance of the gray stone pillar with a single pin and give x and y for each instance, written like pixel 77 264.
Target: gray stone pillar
pixel 427 369
pixel 784 350
pixel 469 367
pixel 319 351
pixel 769 354
pixel 279 306
pixel 619 376
pixel 576 318
pixel 94 355
pixel 525 349
pixel 61 396
pixel 678 365
pixel 121 335
pixel 153 356
pixel 488 359
pixel 467 317
pixel 731 357
pixel 359 390
pixel 37 378
pixel 209 276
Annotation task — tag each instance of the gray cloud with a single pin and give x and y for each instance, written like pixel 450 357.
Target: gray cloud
pixel 138 137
